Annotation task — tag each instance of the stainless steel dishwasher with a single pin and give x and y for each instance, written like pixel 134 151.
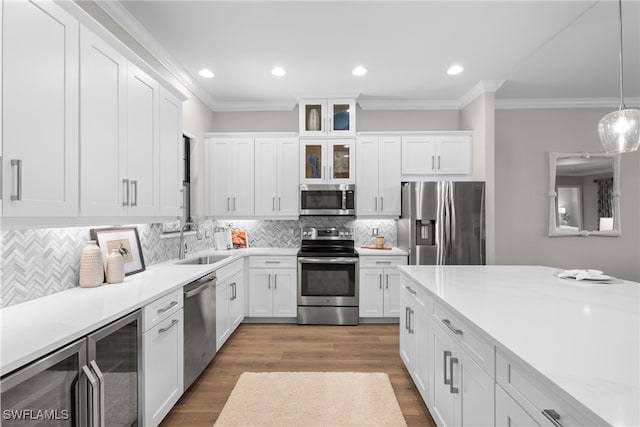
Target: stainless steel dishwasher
pixel 199 326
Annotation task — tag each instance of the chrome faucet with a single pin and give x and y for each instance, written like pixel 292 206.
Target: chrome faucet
pixel 182 249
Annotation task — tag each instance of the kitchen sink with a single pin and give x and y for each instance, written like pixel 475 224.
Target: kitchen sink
pixel 204 260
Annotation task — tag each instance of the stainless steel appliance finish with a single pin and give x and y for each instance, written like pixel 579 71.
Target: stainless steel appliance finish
pixel 94 381
pixel 443 223
pixel 199 326
pixel 328 277
pixel 327 199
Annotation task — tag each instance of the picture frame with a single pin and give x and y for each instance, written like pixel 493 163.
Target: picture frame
pixel 125 239
pixel 239 239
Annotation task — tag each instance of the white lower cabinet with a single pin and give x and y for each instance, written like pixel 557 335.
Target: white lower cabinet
pixel 462 393
pixel 163 355
pixel 509 413
pixel 272 286
pixel 229 301
pixel 414 336
pixel 380 285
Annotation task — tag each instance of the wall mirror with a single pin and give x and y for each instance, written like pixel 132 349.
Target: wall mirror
pixel 584 194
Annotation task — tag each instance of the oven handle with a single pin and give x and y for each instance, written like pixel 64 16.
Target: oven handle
pixel 327 260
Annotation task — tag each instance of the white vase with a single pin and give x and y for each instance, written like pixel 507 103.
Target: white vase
pixel 115 267
pixel 91 265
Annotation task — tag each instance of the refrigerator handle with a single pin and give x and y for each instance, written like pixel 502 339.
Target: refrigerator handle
pixel 483 250
pixel 93 414
pixel 100 376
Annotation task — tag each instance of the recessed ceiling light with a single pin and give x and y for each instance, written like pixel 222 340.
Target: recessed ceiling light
pixel 278 71
pixel 454 69
pixel 206 73
pixel 359 71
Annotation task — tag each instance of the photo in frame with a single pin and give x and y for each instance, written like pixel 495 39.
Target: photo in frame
pixel 239 239
pixel 126 240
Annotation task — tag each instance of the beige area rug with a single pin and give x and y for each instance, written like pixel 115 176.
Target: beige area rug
pixel 278 399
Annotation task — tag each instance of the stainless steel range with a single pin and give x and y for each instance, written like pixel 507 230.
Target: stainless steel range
pixel 328 282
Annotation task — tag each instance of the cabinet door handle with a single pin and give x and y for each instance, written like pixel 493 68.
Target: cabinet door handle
pixel 268 281
pixel 453 329
pixel 94 366
pixel 234 295
pixel 376 205
pixel 279 207
pixel 324 172
pixel 387 280
pixel 438 162
pixel 174 322
pixel 446 354
pixel 234 203
pixel 552 416
pixel 406 318
pixel 168 307
pixel 134 185
pixel 411 317
pixel 452 361
pixel 228 198
pixel 275 281
pixel 433 163
pixel 380 277
pixel 273 203
pixel 330 172
pixel 18 164
pixel 125 189
pixel 94 410
pixel 381 203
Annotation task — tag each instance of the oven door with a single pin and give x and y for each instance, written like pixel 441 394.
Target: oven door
pixel 328 281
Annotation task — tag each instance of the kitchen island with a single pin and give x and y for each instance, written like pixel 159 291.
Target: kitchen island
pixel 537 340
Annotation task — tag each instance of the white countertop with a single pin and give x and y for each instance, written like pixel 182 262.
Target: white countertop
pixel 34 328
pixel 585 338
pixel 380 252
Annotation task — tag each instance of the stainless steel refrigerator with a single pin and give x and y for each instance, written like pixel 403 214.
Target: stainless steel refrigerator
pixel 443 222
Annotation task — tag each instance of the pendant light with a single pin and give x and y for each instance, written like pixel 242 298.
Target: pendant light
pixel 620 130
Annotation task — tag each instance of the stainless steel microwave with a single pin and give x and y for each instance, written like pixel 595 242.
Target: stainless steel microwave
pixel 327 199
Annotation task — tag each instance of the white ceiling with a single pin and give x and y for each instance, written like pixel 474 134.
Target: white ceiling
pixel 536 53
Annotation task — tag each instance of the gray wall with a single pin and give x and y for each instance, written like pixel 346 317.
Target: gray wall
pixel 523 139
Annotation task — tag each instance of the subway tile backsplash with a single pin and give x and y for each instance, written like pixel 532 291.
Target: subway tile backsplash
pixel 40 262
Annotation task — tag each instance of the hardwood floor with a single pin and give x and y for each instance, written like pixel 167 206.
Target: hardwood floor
pixel 290 347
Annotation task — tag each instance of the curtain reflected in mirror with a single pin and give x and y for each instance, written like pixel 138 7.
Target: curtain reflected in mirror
pixel 584 194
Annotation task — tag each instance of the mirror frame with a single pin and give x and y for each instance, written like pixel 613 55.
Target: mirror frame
pixel 554 230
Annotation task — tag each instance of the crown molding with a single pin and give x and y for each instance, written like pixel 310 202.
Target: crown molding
pixel 256 106
pixel 508 104
pixel 136 30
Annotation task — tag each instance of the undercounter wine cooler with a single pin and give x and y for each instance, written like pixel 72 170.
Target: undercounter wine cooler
pixel 94 381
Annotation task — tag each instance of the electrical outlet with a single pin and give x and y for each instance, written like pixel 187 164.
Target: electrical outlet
pixel 374 231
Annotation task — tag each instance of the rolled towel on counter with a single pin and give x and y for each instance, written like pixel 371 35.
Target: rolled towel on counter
pixel 582 275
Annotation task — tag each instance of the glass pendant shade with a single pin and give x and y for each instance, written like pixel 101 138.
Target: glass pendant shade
pixel 620 131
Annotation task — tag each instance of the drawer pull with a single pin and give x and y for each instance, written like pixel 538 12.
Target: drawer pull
pixel 411 291
pixel 383 262
pixel 272 262
pixel 163 309
pixel 444 369
pixel 174 322
pixel 552 416
pixel 448 324
pixel 452 361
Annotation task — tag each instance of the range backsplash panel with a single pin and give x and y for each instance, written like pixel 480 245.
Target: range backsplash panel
pixel 40 262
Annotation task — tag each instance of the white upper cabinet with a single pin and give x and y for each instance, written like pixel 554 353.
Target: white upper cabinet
pixel 142 143
pixel 378 176
pixel 39 110
pixel 327 161
pixel 437 154
pixel 103 135
pixel 230 176
pixel 276 176
pixel 171 155
pixel 327 117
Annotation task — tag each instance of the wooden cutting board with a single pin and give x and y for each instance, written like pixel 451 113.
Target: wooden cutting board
pixel 376 247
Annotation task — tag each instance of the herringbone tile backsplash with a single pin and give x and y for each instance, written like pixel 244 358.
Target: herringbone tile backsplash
pixel 40 262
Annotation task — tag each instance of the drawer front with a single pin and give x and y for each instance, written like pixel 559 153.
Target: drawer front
pixel 160 309
pixel 272 262
pixel 472 342
pixel 382 261
pixel 542 403
pixel 229 270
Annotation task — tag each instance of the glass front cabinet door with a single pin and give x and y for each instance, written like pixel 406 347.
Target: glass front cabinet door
pixel 327 117
pixel 329 161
